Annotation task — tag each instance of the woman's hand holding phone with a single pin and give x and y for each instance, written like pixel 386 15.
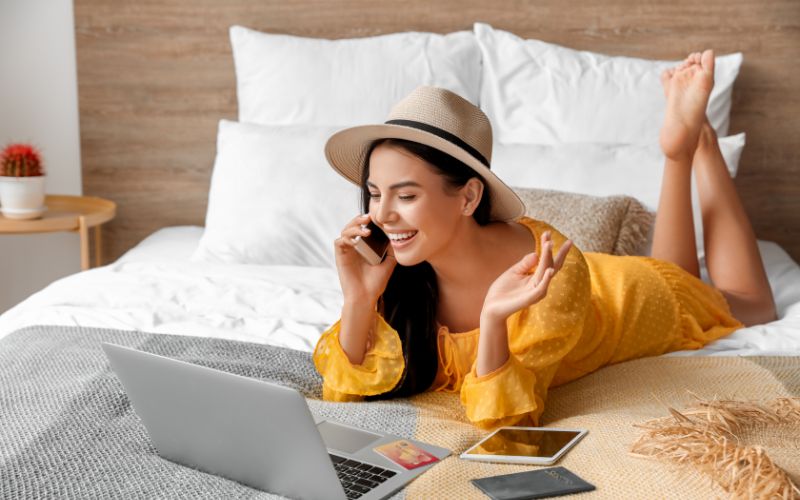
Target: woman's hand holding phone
pixel 360 280
pixel 362 284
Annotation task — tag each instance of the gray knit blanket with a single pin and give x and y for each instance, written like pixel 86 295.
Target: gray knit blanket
pixel 67 429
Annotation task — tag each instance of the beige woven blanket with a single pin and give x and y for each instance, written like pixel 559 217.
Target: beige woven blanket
pixel 609 403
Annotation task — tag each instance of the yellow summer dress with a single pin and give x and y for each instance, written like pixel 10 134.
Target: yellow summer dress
pixel 599 309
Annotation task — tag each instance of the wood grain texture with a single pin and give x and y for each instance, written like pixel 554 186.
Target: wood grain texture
pixel 155 76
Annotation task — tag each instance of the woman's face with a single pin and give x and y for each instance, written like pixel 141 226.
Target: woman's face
pixel 412 203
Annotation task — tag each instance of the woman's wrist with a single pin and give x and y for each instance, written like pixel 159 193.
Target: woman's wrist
pixel 490 317
pixel 357 320
pixel 358 300
pixel 493 351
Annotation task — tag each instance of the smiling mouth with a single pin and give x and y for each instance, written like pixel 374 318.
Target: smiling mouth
pixel 401 238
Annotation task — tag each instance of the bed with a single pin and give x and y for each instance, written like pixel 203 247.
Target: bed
pixel 155 287
pixel 214 314
pixel 251 290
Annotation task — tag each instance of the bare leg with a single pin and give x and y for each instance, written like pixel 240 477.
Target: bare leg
pixel 686 88
pixel 732 255
pixel 673 235
pixel 688 141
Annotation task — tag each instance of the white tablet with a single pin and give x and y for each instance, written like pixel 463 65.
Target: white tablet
pixel 525 445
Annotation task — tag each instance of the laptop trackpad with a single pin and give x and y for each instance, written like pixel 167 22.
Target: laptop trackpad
pixel 347 439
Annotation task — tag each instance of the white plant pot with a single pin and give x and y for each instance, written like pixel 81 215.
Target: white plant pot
pixel 22 197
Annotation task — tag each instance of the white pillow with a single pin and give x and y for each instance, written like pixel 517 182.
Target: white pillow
pixel 538 92
pixel 284 79
pixel 273 198
pixel 600 169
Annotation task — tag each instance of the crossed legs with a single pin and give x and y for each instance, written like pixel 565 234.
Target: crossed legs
pixel 690 143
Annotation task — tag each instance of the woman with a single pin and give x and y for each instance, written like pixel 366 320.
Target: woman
pixel 530 309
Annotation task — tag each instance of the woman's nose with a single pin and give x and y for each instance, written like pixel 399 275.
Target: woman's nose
pixel 383 212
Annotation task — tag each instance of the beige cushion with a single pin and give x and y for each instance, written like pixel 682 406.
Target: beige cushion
pixel 617 225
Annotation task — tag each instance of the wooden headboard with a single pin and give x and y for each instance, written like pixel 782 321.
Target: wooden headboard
pixel 155 76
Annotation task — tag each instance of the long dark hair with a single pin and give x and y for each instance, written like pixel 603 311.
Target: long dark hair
pixel 409 302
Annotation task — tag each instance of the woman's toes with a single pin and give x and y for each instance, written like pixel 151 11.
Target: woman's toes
pixel 666 76
pixel 707 60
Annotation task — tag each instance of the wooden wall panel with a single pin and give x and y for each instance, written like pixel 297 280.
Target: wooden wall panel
pixel 155 76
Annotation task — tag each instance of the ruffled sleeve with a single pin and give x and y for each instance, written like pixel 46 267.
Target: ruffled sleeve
pixel 539 337
pixel 380 371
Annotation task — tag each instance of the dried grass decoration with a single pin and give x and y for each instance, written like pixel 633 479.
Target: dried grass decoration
pixel 707 435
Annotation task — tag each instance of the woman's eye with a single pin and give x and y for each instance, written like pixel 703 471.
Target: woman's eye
pixel 407 197
pixel 374 196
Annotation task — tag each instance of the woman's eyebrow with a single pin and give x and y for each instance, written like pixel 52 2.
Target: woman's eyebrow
pixel 398 185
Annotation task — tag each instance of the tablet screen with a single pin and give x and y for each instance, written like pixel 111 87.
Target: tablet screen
pixel 524 443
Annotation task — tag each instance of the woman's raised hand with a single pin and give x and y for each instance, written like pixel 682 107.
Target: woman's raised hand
pixel 521 285
pixel 360 281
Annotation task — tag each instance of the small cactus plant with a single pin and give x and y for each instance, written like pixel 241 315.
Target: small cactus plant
pixel 21 160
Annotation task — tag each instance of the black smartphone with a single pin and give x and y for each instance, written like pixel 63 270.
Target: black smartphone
pixel 373 247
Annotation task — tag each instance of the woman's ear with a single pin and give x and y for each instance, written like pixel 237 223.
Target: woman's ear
pixel 472 192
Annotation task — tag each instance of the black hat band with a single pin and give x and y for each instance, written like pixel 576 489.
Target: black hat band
pixel 444 134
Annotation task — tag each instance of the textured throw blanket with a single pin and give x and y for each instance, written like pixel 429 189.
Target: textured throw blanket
pixel 67 430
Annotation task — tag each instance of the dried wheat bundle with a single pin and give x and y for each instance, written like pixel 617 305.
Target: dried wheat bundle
pixel 705 436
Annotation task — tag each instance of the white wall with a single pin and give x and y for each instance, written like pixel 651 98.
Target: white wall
pixel 39 104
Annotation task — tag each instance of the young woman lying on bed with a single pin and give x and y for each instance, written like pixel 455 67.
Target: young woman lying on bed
pixel 474 297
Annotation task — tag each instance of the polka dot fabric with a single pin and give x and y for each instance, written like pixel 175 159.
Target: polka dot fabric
pixel 380 371
pixel 600 309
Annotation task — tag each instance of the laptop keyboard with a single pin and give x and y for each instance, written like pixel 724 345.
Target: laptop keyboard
pixel 358 478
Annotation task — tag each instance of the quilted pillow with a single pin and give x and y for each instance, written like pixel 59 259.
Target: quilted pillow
pixel 618 225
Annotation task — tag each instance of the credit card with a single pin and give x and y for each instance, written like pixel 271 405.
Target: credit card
pixel 406 454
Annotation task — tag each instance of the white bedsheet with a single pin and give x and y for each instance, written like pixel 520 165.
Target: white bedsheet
pixel 155 288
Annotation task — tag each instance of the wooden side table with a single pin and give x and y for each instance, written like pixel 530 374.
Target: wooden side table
pixel 68 213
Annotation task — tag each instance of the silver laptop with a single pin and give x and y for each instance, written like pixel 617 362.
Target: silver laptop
pixel 255 432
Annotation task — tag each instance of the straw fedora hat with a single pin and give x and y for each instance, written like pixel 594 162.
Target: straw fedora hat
pixel 437 118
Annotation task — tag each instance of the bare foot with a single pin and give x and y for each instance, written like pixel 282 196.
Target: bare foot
pixel 686 88
pixel 707 132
